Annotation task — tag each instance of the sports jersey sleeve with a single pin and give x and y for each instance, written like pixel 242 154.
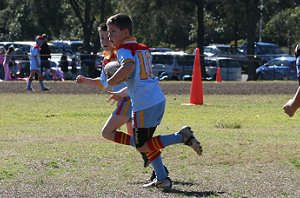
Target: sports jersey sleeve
pixel 124 55
pixel 102 83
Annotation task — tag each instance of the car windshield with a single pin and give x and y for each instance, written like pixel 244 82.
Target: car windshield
pixel 268 50
pixel 229 63
pixel 186 60
pixel 162 59
pixel 288 63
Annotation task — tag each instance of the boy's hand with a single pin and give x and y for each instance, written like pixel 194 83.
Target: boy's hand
pixel 289 109
pixel 79 79
pixel 115 97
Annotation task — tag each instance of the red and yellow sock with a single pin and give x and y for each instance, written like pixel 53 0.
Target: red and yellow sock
pixel 122 138
pixel 155 144
pixel 153 155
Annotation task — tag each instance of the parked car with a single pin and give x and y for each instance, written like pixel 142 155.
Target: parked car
pixel 229 51
pixel 160 49
pixel 230 69
pixel 172 65
pixel 70 46
pixel 264 51
pixel 282 68
pixel 22 68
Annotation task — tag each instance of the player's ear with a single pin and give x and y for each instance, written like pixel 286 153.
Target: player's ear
pixel 126 32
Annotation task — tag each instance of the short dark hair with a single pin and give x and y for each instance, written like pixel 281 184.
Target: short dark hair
pixel 122 21
pixel 102 27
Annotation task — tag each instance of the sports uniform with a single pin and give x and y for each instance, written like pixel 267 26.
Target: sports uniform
pixel 124 105
pixel 148 104
pixel 35 64
pixel 148 100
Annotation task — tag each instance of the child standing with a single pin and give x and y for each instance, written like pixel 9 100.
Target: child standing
pixel 35 64
pixel 148 101
pixel 293 104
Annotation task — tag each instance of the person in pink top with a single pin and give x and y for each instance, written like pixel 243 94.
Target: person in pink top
pixel 2 56
pixel 9 59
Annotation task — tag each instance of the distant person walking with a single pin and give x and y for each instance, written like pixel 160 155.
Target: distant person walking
pixel 2 56
pixel 35 64
pixel 45 54
pixel 8 60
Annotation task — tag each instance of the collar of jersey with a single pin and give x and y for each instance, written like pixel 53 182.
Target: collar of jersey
pixel 108 54
pixel 128 40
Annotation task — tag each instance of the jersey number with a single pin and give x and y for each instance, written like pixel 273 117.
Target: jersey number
pixel 145 70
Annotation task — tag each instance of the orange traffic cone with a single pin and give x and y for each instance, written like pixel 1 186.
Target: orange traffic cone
pixel 218 75
pixel 196 92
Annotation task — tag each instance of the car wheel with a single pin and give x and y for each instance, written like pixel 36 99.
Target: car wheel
pixel 260 76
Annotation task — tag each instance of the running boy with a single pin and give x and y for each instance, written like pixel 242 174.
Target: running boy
pixel 122 114
pixel 148 101
pixel 293 104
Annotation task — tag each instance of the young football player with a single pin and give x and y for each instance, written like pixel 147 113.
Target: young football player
pixel 122 114
pixel 147 98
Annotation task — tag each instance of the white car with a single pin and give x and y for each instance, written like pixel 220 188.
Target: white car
pixel 231 69
pixel 172 65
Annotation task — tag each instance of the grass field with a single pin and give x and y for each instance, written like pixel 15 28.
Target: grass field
pixel 50 146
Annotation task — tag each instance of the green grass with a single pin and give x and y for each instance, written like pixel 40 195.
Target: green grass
pixel 50 144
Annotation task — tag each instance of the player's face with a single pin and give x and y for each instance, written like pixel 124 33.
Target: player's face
pixel 116 35
pixel 104 41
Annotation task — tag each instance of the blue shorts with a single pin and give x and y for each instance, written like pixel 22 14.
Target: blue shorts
pixel 150 117
pixel 124 108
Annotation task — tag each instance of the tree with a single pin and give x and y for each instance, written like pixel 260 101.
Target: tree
pixel 252 11
pixel 83 11
pixel 283 28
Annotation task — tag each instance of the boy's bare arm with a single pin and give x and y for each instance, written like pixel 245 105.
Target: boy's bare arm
pixel 293 104
pixel 121 74
pixel 89 81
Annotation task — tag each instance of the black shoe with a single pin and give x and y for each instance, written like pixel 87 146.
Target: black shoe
pixel 153 176
pixel 45 89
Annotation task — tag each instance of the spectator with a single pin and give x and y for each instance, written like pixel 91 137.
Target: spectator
pixel 2 56
pixel 35 64
pixel 74 68
pixel 8 61
pixel 63 63
pixel 56 74
pixel 45 54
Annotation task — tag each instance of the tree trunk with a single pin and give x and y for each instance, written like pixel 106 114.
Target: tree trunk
pixel 200 34
pixel 252 19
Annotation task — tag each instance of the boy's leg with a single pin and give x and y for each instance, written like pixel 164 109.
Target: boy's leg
pixel 109 131
pixel 29 81
pixel 41 81
pixel 185 135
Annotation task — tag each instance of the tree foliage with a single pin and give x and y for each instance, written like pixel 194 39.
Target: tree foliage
pixel 166 23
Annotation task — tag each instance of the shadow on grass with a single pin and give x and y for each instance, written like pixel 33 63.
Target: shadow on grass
pixel 193 193
pixel 188 193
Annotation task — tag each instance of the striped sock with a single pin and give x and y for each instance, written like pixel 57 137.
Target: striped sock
pixel 124 138
pixel 155 144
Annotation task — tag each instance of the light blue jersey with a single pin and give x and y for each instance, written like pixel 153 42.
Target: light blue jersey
pixel 142 85
pixel 103 82
pixel 35 52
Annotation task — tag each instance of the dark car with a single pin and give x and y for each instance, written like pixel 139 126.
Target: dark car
pixel 281 68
